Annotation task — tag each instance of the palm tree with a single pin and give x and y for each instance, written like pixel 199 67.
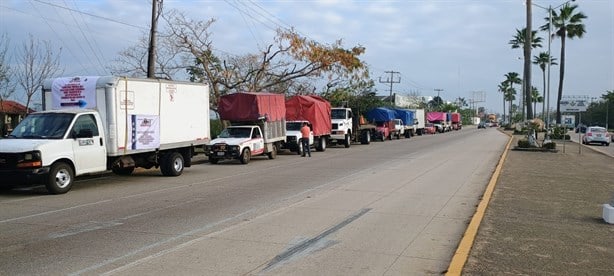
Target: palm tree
pixel 512 78
pixel 536 97
pixel 542 60
pixel 503 87
pixel 510 95
pixel 518 42
pixel 567 24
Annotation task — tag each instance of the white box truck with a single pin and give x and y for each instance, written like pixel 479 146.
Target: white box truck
pixel 93 124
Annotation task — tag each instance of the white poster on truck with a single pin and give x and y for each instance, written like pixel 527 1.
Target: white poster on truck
pixel 74 92
pixel 145 132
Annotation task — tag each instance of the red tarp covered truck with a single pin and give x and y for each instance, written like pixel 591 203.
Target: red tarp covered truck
pixel 258 126
pixel 315 111
pixel 456 121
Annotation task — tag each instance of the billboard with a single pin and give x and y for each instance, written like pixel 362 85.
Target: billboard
pixel 574 103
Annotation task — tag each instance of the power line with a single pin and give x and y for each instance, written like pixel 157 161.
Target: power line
pixel 92 15
pixel 391 81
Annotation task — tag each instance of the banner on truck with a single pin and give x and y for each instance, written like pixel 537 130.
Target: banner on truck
pixel 74 92
pixel 145 132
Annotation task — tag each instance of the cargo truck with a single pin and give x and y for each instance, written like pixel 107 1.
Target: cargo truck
pixel 346 128
pixel 420 117
pixel 257 127
pixel 313 110
pixel 91 124
pixel 408 121
pixel 457 124
pixel 439 120
pixel 384 120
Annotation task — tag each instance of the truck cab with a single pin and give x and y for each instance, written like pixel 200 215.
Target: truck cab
pixel 237 142
pixel 342 121
pixel 399 128
pixel 53 147
pixel 293 136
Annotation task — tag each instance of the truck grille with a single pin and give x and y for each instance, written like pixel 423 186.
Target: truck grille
pixel 8 161
pixel 219 147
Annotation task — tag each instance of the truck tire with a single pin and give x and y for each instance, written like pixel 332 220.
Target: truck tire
pixel 172 164
pixel 322 144
pixel 347 141
pixel 398 135
pixel 213 160
pixel 123 171
pixel 407 134
pixel 365 137
pixel 60 178
pixel 273 153
pixel 246 155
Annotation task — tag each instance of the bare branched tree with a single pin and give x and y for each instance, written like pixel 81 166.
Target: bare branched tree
pixel 39 62
pixel 132 61
pixel 7 88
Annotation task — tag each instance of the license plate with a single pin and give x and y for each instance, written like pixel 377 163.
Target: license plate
pixel 221 153
pixel 599 135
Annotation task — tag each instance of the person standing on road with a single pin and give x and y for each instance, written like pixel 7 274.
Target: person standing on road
pixel 305 139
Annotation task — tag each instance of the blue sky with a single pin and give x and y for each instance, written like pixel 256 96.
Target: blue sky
pixel 459 46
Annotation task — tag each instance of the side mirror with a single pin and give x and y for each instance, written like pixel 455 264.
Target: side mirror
pixel 84 133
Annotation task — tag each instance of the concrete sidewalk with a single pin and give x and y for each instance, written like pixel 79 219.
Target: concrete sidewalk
pixel 545 216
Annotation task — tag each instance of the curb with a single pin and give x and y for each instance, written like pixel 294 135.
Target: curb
pixel 464 247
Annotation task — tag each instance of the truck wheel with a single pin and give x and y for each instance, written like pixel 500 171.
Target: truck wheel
pixel 123 171
pixel 365 137
pixel 213 160
pixel 347 142
pixel 398 136
pixel 273 153
pixel 60 178
pixel 172 164
pixel 246 155
pixel 321 144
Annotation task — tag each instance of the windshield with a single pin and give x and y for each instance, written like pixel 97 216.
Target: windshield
pixel 337 114
pixel 599 130
pixel 237 132
pixel 43 126
pixel 293 126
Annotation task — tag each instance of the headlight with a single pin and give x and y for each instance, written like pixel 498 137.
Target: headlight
pixel 30 159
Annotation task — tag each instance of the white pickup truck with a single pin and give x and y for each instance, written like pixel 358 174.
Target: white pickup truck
pixel 238 142
pixel 294 136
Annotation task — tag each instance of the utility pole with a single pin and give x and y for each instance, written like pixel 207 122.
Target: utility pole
pixel 156 8
pixel 391 81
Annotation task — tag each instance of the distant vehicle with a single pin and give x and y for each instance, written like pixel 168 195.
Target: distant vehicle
pixel 429 128
pixel 482 125
pixel 581 128
pixel 596 134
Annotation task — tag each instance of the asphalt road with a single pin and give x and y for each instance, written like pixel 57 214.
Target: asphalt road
pixel 389 208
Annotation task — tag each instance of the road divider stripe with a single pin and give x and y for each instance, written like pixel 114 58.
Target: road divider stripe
pixel 464 247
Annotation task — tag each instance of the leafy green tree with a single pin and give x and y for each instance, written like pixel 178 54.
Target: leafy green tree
pixel 542 60
pixel 567 23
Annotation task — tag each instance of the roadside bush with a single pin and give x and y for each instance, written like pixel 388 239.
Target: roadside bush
pixel 560 133
pixel 551 145
pixel 523 143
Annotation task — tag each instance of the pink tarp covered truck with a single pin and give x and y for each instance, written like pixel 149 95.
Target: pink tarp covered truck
pixel 439 120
